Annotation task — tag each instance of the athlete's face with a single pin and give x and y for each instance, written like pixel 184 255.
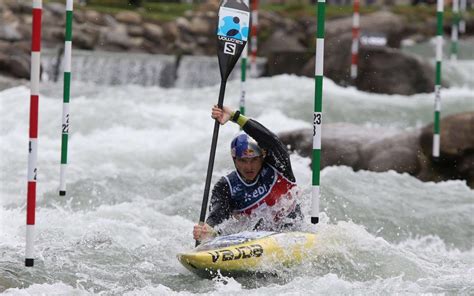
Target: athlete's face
pixel 249 167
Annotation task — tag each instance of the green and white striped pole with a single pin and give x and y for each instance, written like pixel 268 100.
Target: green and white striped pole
pixel 439 58
pixel 455 31
pixel 66 96
pixel 317 116
pixel 243 73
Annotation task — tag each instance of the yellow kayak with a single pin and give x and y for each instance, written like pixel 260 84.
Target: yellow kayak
pixel 248 252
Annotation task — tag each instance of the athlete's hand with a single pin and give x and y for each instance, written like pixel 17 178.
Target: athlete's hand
pixel 203 232
pixel 221 115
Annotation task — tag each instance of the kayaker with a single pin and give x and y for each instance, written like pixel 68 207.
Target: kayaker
pixel 263 185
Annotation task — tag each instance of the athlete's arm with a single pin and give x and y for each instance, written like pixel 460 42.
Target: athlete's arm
pixel 277 154
pixel 219 209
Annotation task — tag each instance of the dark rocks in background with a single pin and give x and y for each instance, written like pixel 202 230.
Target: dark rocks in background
pixel 153 32
pixel 57 9
pixel 384 69
pixel 399 152
pixel 283 62
pixel 389 71
pixel 288 44
pixel 456 150
pixel 285 54
pixel 115 40
pixel 14 60
pixel 380 69
pixel 10 32
pixel 380 150
pixel 85 36
pixel 280 41
pixel 94 17
pixel 342 142
pixel 129 17
pixel 19 65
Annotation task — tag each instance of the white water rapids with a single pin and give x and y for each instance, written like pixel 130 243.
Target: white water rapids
pixel 137 164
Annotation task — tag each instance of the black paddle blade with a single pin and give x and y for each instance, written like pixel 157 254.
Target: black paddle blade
pixel 232 32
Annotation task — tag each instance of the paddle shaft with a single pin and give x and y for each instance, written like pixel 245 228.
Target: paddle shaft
pixel 212 156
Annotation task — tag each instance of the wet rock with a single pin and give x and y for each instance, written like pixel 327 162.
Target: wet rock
pixel 129 17
pixel 342 143
pixel 20 66
pixel 279 41
pixel 183 24
pixel 135 31
pixel 385 22
pixel 380 69
pixel 8 82
pixel 10 33
pixel 110 21
pixel 456 148
pixel 57 9
pixel 201 26
pixel 153 32
pixel 85 37
pixel 8 17
pixel 457 135
pixel 15 64
pixel 170 31
pixel 380 150
pixel 94 17
pixel 79 17
pixel 399 152
pixel 21 7
pixel 116 39
pixel 390 71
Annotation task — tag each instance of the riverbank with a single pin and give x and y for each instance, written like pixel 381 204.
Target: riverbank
pixel 286 40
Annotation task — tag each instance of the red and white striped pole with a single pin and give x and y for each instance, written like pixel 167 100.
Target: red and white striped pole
pixel 33 142
pixel 253 40
pixel 355 40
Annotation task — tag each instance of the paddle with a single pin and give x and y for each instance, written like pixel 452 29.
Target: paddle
pixel 232 33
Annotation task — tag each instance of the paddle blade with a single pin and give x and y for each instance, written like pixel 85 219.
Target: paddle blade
pixel 232 33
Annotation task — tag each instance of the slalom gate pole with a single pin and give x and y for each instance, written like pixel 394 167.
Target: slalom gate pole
pixel 243 73
pixel 455 31
pixel 33 133
pixel 439 58
pixel 462 21
pixel 253 41
pixel 317 116
pixel 66 96
pixel 232 34
pixel 355 40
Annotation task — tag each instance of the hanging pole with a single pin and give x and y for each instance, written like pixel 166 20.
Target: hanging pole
pixel 317 116
pixel 243 73
pixel 253 40
pixel 33 133
pixel 66 97
pixel 355 40
pixel 454 31
pixel 439 58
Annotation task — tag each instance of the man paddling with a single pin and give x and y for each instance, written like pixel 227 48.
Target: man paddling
pixel 263 185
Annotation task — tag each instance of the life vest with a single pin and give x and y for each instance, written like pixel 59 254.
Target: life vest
pixel 269 188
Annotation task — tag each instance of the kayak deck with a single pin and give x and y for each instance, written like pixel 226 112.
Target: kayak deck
pixel 248 252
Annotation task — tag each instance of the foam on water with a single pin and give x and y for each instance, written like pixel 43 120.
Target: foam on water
pixel 137 164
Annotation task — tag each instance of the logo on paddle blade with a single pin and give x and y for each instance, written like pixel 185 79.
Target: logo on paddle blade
pixel 229 48
pixel 233 23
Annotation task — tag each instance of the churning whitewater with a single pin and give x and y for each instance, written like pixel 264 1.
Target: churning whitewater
pixel 137 163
